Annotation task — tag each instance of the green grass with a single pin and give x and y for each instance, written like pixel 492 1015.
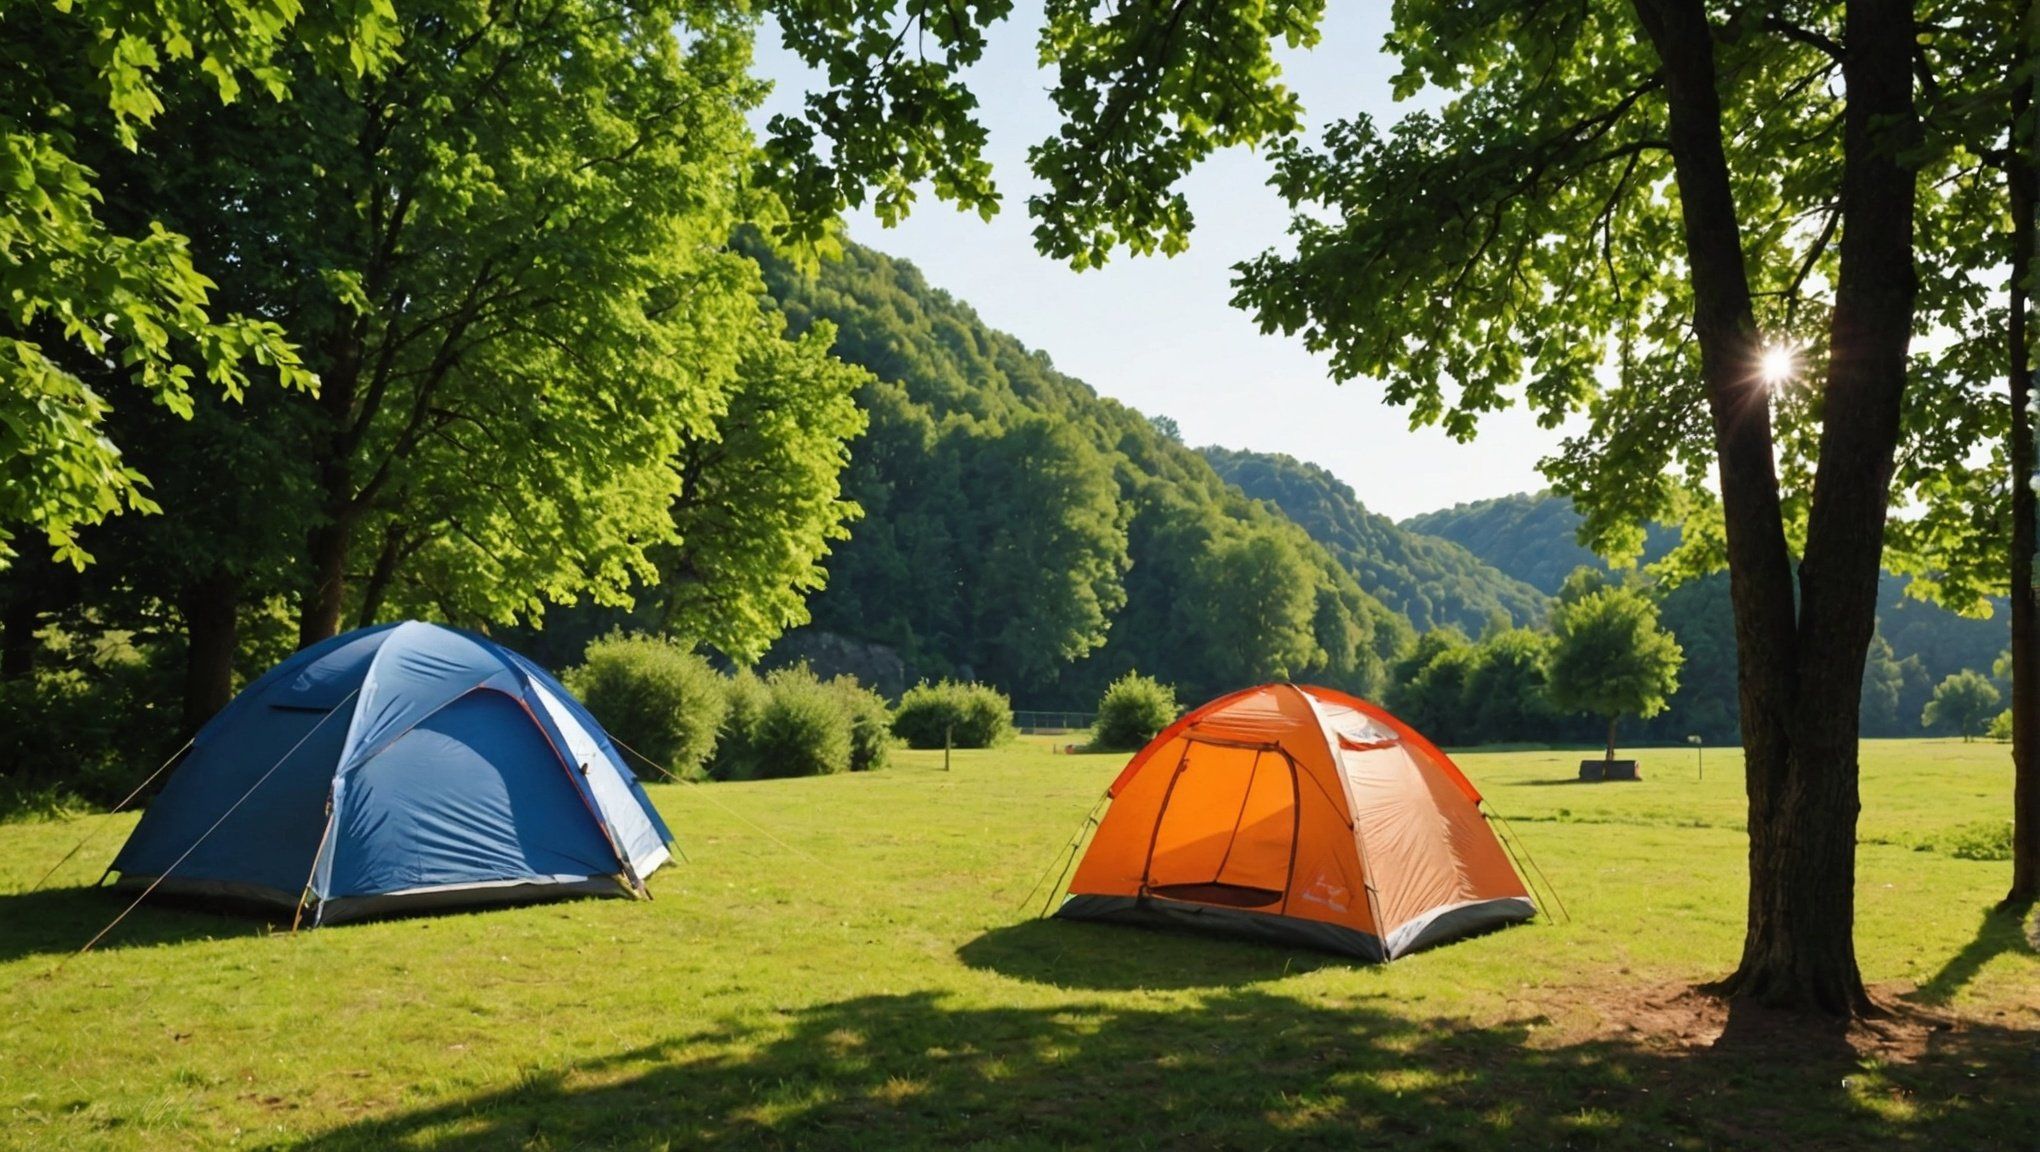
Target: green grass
pixel 870 981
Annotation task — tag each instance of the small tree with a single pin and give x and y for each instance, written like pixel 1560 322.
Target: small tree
pixel 1962 703
pixel 1609 657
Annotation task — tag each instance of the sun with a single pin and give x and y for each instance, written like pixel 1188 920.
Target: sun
pixel 1780 363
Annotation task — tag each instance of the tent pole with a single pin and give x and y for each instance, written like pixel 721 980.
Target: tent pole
pixel 305 897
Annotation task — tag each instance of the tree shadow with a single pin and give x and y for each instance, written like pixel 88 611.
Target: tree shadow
pixel 1243 1068
pixel 2002 930
pixel 1123 957
pixel 59 921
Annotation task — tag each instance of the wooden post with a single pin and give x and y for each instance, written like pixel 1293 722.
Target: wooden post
pixel 946 730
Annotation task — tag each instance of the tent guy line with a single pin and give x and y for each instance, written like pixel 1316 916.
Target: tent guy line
pixel 113 811
pixel 186 854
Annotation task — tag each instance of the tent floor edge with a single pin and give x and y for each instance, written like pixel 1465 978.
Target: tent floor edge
pixel 1158 912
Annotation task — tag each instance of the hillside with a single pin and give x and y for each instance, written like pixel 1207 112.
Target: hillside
pixel 1534 538
pixel 1021 529
pixel 1431 581
pixel 1531 537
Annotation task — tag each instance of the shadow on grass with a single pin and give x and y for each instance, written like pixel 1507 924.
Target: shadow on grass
pixel 2002 930
pixel 1244 1068
pixel 58 921
pixel 1118 957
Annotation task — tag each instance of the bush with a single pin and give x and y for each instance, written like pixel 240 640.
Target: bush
pixel 747 698
pixel 655 696
pixel 805 729
pixel 1133 711
pixel 975 715
pixel 93 720
pixel 870 723
pixel 2001 727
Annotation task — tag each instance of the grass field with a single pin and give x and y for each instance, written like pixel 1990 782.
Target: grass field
pixel 844 963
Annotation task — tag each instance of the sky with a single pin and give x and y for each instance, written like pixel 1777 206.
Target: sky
pixel 1158 333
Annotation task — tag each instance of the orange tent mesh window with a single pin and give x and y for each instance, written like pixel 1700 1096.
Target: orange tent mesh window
pixel 1303 815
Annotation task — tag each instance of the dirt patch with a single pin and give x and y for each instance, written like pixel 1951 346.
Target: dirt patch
pixel 1680 1017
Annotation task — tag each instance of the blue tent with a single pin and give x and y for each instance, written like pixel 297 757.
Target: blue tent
pixel 394 768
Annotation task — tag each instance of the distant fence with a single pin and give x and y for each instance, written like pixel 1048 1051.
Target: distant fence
pixel 1048 723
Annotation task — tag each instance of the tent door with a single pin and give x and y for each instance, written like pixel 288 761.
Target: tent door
pixel 1226 834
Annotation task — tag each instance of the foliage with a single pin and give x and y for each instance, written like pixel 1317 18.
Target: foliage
pixel 2001 731
pixel 521 307
pixel 871 737
pixel 1533 539
pixel 1963 704
pixel 1609 657
pixel 805 729
pixel 1022 530
pixel 95 310
pixel 953 715
pixel 654 695
pixel 761 501
pixel 1133 711
pixel 747 697
pixel 1431 582
pixel 87 727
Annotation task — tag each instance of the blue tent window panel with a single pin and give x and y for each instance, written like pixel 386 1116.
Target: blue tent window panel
pixel 475 794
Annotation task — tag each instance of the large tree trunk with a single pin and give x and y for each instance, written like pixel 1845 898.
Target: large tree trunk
pixel 1800 672
pixel 209 607
pixel 2022 178
pixel 326 544
pixel 326 594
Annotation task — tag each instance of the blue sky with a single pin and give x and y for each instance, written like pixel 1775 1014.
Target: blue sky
pixel 1158 333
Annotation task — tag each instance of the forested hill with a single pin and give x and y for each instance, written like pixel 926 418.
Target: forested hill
pixel 1532 537
pixel 1431 581
pixel 1022 529
pixel 1535 539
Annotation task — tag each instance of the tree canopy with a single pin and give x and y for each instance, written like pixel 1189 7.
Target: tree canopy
pixel 1609 657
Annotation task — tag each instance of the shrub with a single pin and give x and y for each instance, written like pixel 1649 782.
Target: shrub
pixel 805 729
pixel 870 723
pixel 975 715
pixel 93 720
pixel 1134 709
pixel 655 696
pixel 746 697
pixel 2001 727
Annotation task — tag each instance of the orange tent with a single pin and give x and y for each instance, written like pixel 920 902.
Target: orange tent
pixel 1303 815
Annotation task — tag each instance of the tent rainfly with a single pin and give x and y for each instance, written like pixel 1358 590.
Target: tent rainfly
pixel 1301 815
pixel 395 768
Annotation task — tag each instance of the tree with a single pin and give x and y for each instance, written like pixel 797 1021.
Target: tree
pixel 1428 689
pixel 1963 703
pixel 1883 681
pixel 760 503
pixel 1508 695
pixel 1610 658
pixel 499 274
pixel 1254 604
pixel 1048 550
pixel 96 312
